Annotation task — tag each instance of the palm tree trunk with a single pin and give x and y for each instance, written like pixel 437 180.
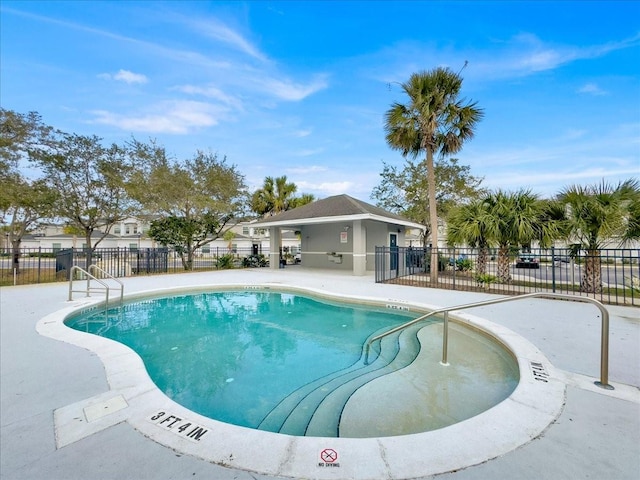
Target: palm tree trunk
pixel 592 277
pixel 504 275
pixel 483 255
pixel 433 216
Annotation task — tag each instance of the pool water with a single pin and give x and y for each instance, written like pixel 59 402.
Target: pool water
pixel 246 357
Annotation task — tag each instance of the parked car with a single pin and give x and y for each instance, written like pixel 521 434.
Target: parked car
pixel 527 260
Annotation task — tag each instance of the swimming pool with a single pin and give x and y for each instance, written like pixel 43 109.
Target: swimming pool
pixel 131 397
pixel 290 363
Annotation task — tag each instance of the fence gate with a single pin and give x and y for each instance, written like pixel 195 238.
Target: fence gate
pixel 64 261
pixel 152 260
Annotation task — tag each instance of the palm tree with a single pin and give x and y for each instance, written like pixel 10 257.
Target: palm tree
pixel 596 214
pixel 521 218
pixel 473 224
pixel 303 199
pixel 433 121
pixel 505 219
pixel 275 196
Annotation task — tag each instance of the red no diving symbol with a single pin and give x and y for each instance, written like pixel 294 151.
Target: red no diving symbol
pixel 329 455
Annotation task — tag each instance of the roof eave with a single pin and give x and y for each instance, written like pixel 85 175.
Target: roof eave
pixel 338 219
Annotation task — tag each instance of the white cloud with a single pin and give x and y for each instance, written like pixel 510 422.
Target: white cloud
pixel 291 91
pixel 553 181
pixel 573 134
pixel 125 76
pixel 308 152
pixel 302 133
pixel 520 56
pixel 591 89
pixel 214 29
pixel 329 188
pixel 130 77
pixel 177 117
pixel 306 170
pixel 211 91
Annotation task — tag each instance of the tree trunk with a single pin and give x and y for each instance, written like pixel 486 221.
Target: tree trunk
pixel 433 216
pixel 188 261
pixel 15 254
pixel 592 276
pixel 483 255
pixel 88 250
pixel 504 274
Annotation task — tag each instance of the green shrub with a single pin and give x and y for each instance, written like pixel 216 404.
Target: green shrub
pixel 225 262
pixel 42 255
pixel 485 279
pixel 257 260
pixel 464 264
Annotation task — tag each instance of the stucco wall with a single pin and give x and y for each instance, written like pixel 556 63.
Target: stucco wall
pixel 319 240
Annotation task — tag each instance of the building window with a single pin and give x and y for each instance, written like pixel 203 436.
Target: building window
pixel 56 247
pixel 116 230
pixel 127 229
pixel 245 231
pixel 135 229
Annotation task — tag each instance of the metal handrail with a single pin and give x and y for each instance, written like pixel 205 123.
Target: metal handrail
pixel 89 276
pixel 604 341
pixel 108 275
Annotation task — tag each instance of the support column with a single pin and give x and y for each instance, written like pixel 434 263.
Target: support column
pixel 359 248
pixel 275 240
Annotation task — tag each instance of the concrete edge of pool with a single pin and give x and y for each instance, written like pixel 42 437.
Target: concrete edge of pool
pixel 535 403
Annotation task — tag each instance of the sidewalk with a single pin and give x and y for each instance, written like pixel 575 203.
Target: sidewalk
pixel 597 435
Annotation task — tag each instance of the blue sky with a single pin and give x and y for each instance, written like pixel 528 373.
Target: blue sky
pixel 300 88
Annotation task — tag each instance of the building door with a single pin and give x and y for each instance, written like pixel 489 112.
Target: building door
pixel 393 251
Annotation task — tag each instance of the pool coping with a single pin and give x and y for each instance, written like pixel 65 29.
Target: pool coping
pixel 133 398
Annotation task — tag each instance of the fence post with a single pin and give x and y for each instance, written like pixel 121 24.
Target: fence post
pixel 553 269
pixel 455 267
pixel 39 262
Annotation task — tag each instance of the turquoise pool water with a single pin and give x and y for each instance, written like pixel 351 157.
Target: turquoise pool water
pixel 241 356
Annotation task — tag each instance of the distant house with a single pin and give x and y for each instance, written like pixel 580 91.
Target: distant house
pixel 131 233
pixel 338 232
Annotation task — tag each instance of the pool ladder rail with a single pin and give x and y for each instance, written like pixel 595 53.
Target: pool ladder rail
pixel 104 286
pixel 604 341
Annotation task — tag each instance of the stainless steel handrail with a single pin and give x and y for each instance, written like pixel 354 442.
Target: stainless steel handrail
pixel 604 341
pixel 108 275
pixel 89 277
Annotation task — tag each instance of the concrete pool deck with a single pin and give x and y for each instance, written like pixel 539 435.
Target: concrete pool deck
pixel 595 435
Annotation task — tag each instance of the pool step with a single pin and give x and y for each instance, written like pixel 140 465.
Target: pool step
pixel 298 418
pixel 325 421
pixel 315 409
pixel 101 321
pixel 278 415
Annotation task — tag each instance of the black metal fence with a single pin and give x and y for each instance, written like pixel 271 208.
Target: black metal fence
pixel 612 276
pixel 41 265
